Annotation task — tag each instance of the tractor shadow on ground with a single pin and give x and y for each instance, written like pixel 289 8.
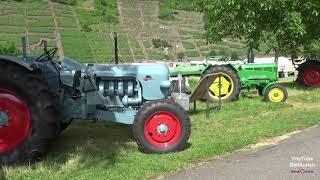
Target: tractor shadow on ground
pixel 294 85
pixel 2 174
pixel 88 143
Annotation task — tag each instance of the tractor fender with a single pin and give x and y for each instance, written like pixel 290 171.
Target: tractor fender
pixel 228 65
pixel 18 61
pixel 308 62
pixel 266 87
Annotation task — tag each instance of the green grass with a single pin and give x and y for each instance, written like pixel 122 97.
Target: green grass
pixel 192 53
pixel 12 20
pixel 188 45
pixel 76 46
pixel 41 22
pixel 168 7
pixel 107 151
pixel 12 30
pixel 67 22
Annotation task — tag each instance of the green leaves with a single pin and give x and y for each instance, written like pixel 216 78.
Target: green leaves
pixel 292 24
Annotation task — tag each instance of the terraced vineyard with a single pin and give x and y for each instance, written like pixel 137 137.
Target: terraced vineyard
pixel 59 25
pixel 80 34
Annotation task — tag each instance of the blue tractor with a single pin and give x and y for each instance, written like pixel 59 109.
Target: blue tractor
pixel 39 98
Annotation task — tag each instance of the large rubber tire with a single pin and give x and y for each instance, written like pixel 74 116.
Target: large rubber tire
pixel 281 91
pixel 163 112
pixel 64 126
pixel 228 71
pixel 43 114
pixel 309 75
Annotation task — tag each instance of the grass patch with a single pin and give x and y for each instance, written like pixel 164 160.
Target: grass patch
pixel 168 7
pixel 67 22
pixel 201 43
pixel 74 49
pixel 12 30
pixel 41 22
pixel 188 45
pixel 39 13
pixel 159 56
pixel 12 20
pixel 41 29
pixel 105 151
pixel 192 53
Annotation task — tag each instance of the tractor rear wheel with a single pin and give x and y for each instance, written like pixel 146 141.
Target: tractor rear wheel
pixel 29 115
pixel 309 75
pixel 161 126
pixel 230 84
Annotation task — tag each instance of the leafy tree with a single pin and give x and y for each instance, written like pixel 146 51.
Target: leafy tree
pixel 293 24
pixel 181 56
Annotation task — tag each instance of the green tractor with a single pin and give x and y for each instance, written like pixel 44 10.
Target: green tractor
pixel 262 77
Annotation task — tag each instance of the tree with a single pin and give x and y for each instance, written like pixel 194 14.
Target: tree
pixel 293 24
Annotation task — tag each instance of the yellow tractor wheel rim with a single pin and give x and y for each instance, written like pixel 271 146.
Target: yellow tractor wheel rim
pixel 276 95
pixel 227 87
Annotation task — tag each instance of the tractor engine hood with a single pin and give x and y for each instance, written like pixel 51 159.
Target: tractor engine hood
pixel 154 78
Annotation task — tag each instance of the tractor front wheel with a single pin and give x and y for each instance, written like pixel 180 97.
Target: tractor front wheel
pixel 161 126
pixel 29 117
pixel 276 93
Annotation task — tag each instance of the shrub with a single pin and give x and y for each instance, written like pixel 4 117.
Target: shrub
pixel 213 53
pixel 181 56
pixel 9 48
pixel 107 9
pixel 224 54
pixel 86 28
pixel 158 43
pixel 234 56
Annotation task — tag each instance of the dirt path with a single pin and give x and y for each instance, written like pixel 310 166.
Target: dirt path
pixel 281 160
pixel 122 25
pixel 140 36
pixel 57 32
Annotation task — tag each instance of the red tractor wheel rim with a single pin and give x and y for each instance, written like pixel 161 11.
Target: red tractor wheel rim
pixel 312 77
pixel 162 129
pixel 14 120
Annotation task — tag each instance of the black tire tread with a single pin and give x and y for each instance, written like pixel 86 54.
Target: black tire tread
pixel 228 70
pixel 44 113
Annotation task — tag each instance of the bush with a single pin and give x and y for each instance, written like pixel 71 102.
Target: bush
pixel 9 48
pixel 213 53
pixel 107 9
pixel 86 28
pixel 158 43
pixel 224 54
pixel 166 12
pixel 234 56
pixel 167 8
pixel 181 56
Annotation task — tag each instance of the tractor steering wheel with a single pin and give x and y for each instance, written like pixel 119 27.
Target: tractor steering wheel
pixel 48 55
